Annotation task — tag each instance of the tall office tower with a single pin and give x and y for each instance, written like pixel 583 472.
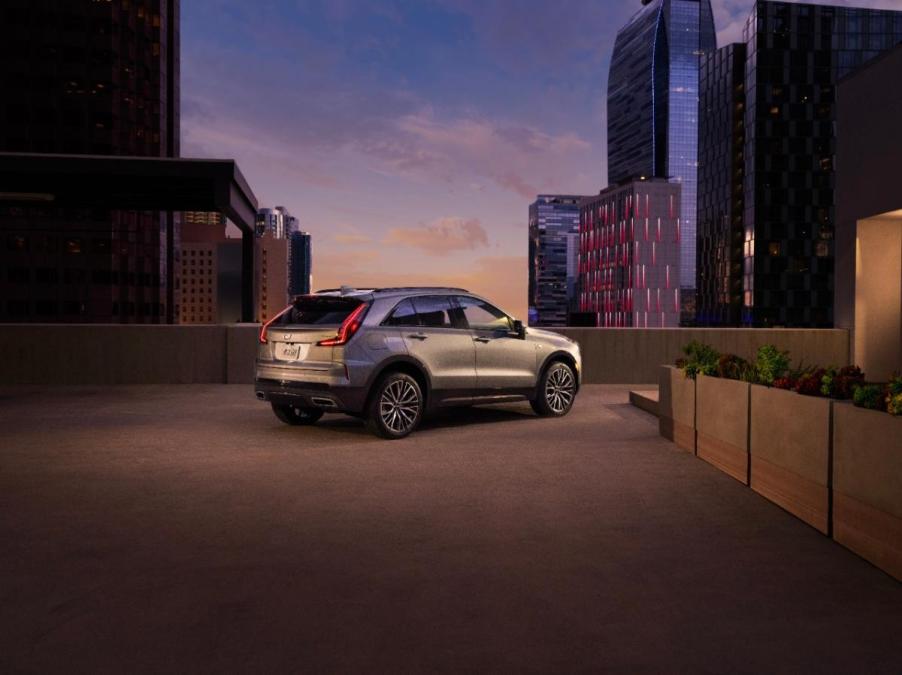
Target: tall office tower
pixel 630 254
pixel 277 221
pixel 300 263
pixel 97 78
pixel 270 275
pixel 653 107
pixel 796 55
pixel 553 255
pixel 721 172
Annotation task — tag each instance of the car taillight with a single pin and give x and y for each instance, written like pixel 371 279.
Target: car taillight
pixel 269 323
pixel 347 329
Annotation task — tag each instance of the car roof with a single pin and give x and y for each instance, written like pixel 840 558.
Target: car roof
pixel 399 291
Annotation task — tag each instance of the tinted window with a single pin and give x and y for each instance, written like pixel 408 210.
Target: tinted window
pixel 318 311
pixel 404 315
pixel 435 311
pixel 480 315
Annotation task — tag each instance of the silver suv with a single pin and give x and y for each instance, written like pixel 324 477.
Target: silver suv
pixel 391 354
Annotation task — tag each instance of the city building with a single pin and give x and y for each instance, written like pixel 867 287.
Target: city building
pixel 276 221
pixel 721 171
pixel 91 78
pixel 795 55
pixel 653 107
pixel 553 258
pixel 869 214
pixel 202 234
pixel 271 275
pixel 300 263
pixel 630 254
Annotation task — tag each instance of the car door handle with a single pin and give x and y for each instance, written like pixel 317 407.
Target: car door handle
pixel 417 336
pixel 482 339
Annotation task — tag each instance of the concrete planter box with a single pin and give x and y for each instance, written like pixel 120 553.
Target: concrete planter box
pixel 722 425
pixel 676 407
pixel 790 452
pixel 867 485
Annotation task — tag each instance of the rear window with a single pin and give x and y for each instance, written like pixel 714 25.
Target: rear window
pixel 318 311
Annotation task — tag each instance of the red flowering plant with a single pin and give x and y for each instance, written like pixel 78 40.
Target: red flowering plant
pixel 810 383
pixel 842 383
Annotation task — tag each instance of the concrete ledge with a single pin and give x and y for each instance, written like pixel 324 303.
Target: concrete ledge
pixel 676 407
pixel 803 498
pixel 632 355
pixel 646 399
pixel 148 354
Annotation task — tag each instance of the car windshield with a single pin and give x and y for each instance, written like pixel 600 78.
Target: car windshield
pixel 314 310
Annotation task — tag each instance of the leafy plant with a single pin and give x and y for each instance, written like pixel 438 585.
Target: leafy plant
pixel 894 396
pixel 811 382
pixel 784 383
pixel 870 396
pixel 732 367
pixel 700 358
pixel 771 364
pixel 842 383
pixel 894 404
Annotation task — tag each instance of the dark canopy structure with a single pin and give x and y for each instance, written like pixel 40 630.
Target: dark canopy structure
pixel 137 183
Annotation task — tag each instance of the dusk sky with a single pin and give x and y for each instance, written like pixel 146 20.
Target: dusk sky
pixel 410 136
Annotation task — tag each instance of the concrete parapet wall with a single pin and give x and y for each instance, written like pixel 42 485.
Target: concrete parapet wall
pixel 632 355
pixel 122 354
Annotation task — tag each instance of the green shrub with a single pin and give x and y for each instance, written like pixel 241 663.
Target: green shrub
pixel 700 358
pixel 869 396
pixel 732 367
pixel 771 364
pixel 894 404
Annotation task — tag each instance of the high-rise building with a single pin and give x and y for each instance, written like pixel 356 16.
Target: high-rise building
pixel 721 170
pixel 300 263
pixel 796 53
pixel 630 254
pixel 653 107
pixel 96 78
pixel 270 275
pixel 202 234
pixel 276 221
pixel 553 255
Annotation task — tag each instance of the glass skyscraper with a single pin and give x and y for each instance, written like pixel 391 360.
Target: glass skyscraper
pixel 553 255
pixel 300 263
pixel 653 107
pixel 794 56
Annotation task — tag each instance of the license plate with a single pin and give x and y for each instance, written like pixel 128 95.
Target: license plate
pixel 291 351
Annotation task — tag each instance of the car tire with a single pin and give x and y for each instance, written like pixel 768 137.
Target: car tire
pixel 556 391
pixel 296 415
pixel 396 406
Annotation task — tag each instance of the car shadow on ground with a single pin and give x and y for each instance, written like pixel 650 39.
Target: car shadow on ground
pixel 440 419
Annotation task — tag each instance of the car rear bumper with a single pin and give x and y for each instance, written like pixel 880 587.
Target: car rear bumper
pixel 320 395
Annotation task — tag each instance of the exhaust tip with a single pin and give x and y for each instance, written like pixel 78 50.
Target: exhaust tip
pixel 261 396
pixel 323 402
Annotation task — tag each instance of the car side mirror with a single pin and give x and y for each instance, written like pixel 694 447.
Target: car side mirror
pixel 519 329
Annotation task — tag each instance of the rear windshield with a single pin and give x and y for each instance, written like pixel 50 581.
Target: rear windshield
pixel 318 311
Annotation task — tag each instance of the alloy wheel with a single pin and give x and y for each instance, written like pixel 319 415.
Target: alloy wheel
pixel 399 406
pixel 559 389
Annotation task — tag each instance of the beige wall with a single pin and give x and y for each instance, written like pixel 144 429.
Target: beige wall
pixel 632 356
pixel 878 297
pixel 117 354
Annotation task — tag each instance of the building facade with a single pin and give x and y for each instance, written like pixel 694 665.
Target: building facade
pixel 796 53
pixel 96 78
pixel 721 171
pixel 277 221
pixel 630 254
pixel 553 258
pixel 652 103
pixel 300 263
pixel 270 275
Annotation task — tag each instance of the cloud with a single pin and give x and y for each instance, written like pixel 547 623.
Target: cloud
pixel 441 237
pixel 351 239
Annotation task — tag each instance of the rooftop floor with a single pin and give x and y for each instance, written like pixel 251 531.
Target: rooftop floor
pixel 183 528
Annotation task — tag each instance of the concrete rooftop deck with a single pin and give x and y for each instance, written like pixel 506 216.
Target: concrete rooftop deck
pixel 182 528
